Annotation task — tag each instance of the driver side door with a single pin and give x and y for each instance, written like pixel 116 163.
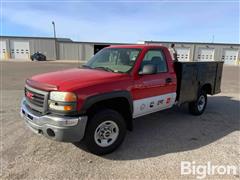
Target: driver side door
pixel 156 91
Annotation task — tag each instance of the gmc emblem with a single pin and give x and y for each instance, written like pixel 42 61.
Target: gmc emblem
pixel 29 95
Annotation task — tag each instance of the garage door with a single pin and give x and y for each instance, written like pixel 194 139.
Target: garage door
pixel 205 54
pixel 20 49
pixel 3 50
pixel 183 54
pixel 230 56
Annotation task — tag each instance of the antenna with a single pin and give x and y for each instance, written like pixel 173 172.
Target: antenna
pixel 213 38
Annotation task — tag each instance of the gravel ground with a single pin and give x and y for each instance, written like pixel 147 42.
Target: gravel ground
pixel 154 150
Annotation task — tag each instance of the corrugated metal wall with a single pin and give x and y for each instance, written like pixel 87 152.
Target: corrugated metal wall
pixel 75 51
pixel 45 46
pixel 66 50
pixel 83 51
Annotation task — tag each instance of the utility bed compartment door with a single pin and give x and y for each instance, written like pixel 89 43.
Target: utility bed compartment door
pixel 187 84
pixel 191 76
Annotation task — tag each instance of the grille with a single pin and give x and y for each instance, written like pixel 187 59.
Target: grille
pixel 36 99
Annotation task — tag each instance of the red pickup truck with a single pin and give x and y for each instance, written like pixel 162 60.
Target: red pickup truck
pixel 96 103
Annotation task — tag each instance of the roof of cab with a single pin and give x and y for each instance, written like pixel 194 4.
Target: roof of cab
pixel 137 46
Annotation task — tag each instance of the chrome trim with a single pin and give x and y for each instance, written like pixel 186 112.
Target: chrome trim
pixel 65 128
pixel 36 90
pixel 41 109
pixel 61 121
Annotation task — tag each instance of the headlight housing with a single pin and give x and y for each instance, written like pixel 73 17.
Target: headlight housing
pixel 63 96
pixel 62 102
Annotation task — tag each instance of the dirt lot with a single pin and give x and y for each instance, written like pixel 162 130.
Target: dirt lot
pixel 154 149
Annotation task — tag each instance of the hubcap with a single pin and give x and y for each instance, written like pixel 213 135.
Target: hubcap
pixel 201 103
pixel 106 133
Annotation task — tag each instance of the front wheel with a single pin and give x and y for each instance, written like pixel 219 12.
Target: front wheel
pixel 105 132
pixel 197 107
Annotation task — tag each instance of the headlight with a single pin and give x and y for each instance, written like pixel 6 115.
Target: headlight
pixel 62 101
pixel 63 96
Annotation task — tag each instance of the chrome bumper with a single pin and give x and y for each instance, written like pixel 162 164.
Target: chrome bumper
pixel 59 128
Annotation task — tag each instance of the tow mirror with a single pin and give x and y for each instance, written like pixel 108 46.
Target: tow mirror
pixel 148 69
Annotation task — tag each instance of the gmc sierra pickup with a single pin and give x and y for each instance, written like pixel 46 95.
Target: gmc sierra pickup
pixel 96 103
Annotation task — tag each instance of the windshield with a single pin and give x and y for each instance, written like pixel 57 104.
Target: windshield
pixel 114 59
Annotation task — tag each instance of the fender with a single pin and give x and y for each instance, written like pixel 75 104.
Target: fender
pixel 105 96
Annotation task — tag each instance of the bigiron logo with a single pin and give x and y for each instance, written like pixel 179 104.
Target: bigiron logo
pixel 201 171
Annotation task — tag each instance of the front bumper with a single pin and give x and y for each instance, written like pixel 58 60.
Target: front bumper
pixel 59 128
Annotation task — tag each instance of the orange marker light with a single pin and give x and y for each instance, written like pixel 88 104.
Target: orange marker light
pixel 67 108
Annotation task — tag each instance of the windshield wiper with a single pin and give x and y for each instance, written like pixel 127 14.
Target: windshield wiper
pixel 86 66
pixel 104 68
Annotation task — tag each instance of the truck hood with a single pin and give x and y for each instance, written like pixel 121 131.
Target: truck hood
pixel 73 78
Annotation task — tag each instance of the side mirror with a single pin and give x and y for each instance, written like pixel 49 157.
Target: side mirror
pixel 148 69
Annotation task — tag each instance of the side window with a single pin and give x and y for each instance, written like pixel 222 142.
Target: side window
pixel 157 58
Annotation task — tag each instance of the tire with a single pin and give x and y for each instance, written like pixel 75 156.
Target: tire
pixel 198 107
pixel 99 139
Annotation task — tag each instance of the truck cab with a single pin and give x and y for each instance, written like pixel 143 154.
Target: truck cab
pixel 95 104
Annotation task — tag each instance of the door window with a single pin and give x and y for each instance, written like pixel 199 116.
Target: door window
pixel 157 58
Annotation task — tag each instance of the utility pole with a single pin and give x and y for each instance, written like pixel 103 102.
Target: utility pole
pixel 55 37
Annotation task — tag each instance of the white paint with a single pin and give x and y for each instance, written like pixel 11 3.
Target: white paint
pixel 183 54
pixel 3 50
pixel 20 49
pixel 230 56
pixel 153 104
pixel 206 54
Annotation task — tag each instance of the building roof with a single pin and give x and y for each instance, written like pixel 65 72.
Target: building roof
pixel 204 43
pixel 68 40
pixel 137 46
pixel 31 37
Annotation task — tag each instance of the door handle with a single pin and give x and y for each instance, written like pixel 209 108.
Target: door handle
pixel 168 80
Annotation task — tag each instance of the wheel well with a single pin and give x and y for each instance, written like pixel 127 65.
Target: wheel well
pixel 119 104
pixel 207 88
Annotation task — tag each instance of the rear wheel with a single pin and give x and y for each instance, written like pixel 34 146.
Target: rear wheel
pixel 197 107
pixel 105 132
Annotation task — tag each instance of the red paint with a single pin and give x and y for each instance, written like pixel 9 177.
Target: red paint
pixel 41 85
pixel 89 82
pixel 168 100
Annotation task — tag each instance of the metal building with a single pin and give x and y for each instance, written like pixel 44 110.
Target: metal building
pixel 23 47
pixel 65 49
pixel 191 51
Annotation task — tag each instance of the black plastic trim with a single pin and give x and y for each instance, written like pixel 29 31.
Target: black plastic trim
pixel 105 96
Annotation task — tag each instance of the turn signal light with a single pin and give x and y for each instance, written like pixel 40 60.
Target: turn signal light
pixel 67 108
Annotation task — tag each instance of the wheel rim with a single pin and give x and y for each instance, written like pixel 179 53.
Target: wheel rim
pixel 106 133
pixel 201 103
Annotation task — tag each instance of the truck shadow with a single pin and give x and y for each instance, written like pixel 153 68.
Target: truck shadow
pixel 175 130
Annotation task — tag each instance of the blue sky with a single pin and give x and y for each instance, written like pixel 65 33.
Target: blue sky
pixel 125 21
